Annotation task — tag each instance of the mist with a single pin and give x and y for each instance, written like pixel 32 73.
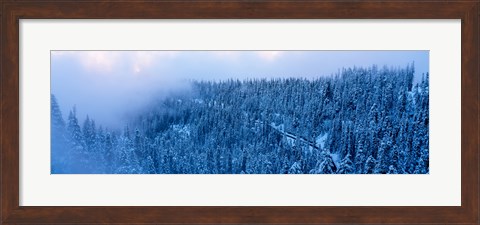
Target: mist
pixel 112 86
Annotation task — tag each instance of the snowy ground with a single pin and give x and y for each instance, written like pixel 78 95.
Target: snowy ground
pixel 336 158
pixel 320 141
pixel 291 137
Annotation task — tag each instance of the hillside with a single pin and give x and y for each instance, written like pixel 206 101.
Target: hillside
pixel 360 121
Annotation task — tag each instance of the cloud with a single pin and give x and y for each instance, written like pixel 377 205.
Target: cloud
pixel 91 61
pixel 106 62
pixel 142 60
pixel 60 53
pixel 269 56
pixel 226 54
pixel 100 61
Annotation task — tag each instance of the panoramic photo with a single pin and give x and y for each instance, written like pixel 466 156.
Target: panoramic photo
pixel 239 112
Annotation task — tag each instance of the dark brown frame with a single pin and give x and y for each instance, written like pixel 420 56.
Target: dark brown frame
pixel 12 11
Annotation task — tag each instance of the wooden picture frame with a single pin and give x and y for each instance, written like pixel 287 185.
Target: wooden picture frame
pixel 12 11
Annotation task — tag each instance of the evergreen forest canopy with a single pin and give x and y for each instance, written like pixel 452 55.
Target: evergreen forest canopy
pixel 359 121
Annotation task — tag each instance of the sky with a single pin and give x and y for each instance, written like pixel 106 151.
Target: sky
pixel 109 86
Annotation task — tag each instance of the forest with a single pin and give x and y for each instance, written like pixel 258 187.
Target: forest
pixel 359 121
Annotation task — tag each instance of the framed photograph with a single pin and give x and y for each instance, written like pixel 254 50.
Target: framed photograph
pixel 259 112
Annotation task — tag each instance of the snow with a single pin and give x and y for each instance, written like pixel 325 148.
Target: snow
pixel 197 100
pixel 336 158
pixel 321 139
pixel 222 128
pixel 184 131
pixel 290 141
pixel 280 127
pixel 292 138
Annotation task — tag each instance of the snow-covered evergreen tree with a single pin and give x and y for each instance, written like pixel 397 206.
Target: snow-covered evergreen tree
pixel 363 120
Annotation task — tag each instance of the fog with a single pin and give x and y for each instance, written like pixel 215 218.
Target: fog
pixel 109 86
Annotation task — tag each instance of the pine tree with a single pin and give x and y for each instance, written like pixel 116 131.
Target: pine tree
pixel 58 124
pixel 89 134
pixel 359 158
pixel 326 165
pixel 74 130
pixel 296 168
pixel 369 165
pixel 60 150
pixel 392 170
pixel 346 165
